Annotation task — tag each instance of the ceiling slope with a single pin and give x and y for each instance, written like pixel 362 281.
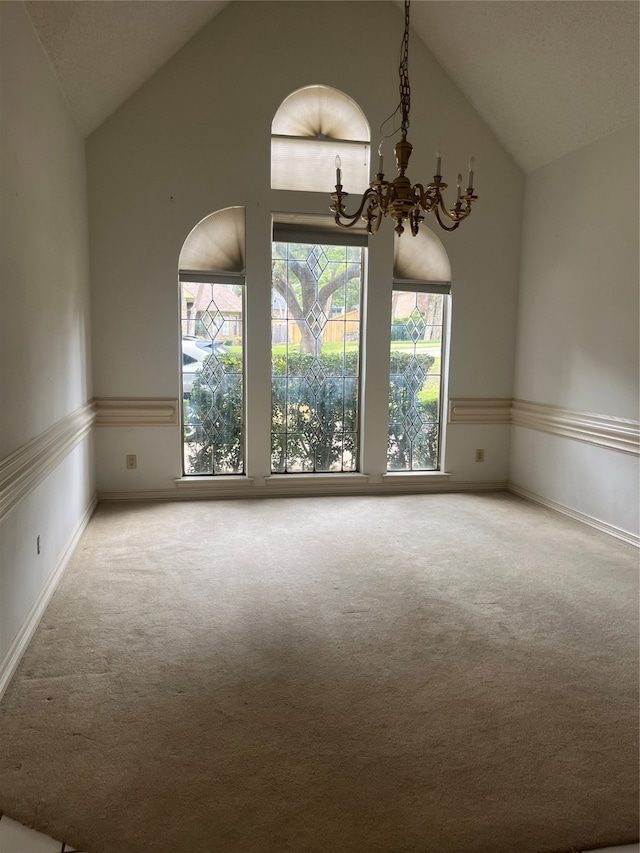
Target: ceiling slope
pixel 101 52
pixel 548 76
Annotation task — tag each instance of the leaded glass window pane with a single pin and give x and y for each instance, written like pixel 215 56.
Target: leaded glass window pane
pixel 415 381
pixel 212 377
pixel 315 323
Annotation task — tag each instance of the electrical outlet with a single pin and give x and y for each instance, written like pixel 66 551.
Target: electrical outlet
pixel 132 461
pixel 479 455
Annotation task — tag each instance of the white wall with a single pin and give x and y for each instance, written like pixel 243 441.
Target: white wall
pixel 195 139
pixel 44 322
pixel 578 324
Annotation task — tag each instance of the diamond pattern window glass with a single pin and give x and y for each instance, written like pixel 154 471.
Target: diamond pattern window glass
pixel 315 324
pixel 212 376
pixel 415 386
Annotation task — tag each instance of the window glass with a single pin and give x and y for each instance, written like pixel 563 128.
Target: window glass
pixel 315 322
pixel 212 377
pixel 415 384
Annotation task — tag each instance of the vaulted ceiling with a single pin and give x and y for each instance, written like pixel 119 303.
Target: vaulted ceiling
pixel 548 76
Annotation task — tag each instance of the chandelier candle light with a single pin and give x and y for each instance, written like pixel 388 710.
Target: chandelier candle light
pixel 404 203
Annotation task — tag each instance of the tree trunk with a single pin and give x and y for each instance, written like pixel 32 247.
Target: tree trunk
pixel 308 344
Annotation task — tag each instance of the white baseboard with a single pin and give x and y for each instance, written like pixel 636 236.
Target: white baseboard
pixel 20 643
pixel 583 518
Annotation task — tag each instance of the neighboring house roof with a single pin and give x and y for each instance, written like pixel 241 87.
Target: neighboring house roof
pixel 404 302
pixel 203 295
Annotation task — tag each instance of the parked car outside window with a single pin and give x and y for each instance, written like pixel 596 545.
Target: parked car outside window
pixel 194 352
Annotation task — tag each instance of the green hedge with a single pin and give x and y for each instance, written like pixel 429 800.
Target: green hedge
pixel 314 413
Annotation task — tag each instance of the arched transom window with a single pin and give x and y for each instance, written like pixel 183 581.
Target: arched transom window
pixel 311 127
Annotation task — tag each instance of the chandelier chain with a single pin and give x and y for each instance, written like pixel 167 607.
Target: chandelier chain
pixel 405 91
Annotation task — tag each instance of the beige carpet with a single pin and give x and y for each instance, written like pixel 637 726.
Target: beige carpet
pixel 424 674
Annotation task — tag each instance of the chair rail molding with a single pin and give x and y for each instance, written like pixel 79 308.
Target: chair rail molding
pixel 600 430
pixel 136 411
pixel 468 410
pixel 29 465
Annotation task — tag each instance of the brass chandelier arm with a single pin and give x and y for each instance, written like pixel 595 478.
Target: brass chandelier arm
pixel 337 208
pixel 442 224
pixel 431 200
pixel 460 211
pixel 374 211
pixel 426 199
pixel 455 215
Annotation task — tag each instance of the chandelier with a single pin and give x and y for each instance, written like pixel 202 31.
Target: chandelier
pixel 404 203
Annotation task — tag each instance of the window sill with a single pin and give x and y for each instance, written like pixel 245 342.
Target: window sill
pixel 285 481
pixel 414 479
pixel 310 485
pixel 276 485
pixel 215 486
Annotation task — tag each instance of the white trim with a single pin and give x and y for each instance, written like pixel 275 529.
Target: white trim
pixel 146 495
pixel 468 410
pixel 136 411
pixel 590 521
pixel 22 639
pixel 472 486
pixel 412 481
pixel 600 430
pixel 213 487
pixel 310 486
pixel 315 483
pixel 29 465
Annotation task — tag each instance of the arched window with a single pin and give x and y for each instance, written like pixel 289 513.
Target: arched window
pixel 421 258
pixel 216 244
pixel 311 127
pixel 421 288
pixel 211 274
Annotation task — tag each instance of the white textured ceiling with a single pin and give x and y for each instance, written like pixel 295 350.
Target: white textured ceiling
pixel 548 76
pixel 103 50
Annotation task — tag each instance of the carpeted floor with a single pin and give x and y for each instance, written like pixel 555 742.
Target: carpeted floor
pixel 421 674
